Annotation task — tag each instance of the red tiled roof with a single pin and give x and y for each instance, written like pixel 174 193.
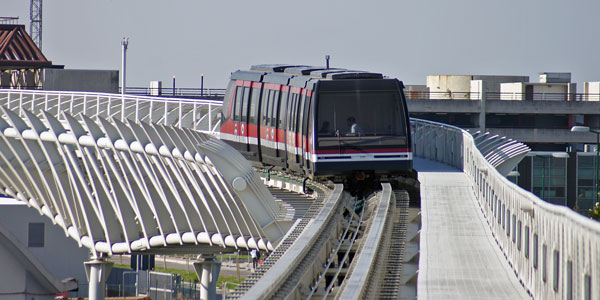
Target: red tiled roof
pixel 17 49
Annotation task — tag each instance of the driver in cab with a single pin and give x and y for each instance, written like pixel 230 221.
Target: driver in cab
pixel 354 129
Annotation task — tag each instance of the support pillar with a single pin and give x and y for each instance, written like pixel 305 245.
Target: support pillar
pixel 97 271
pixel 208 269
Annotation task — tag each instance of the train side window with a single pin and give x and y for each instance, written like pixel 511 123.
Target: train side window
pixel 307 102
pixel 237 103
pixel 300 116
pixel 273 111
pixel 245 103
pixel 254 102
pixel 282 109
pixel 294 112
pixel 228 101
pixel 263 111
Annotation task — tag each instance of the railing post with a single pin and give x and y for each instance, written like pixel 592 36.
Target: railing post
pixel 123 107
pixel 108 108
pixel 151 111
pixel 85 104
pixel 21 104
pixel 194 116
pixel 58 104
pixel 137 110
pixel 97 106
pixel 483 109
pixel 180 112
pixel 166 111
pixel 210 116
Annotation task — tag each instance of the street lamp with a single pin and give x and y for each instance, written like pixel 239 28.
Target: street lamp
pixel 124 44
pixel 173 85
pixel 587 129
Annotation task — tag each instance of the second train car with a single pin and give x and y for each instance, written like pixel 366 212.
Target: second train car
pixel 325 124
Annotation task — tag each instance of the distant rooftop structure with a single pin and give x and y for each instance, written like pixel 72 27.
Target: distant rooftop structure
pixel 18 51
pixel 9 20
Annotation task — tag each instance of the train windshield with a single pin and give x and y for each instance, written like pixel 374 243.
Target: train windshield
pixel 376 117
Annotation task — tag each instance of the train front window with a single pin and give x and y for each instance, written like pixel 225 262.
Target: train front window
pixel 369 113
pixel 374 116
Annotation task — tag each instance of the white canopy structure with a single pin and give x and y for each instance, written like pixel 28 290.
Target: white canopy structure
pixel 122 187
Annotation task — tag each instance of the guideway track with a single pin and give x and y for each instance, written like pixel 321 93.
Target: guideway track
pixel 340 247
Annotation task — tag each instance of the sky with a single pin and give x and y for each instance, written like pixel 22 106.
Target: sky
pixel 406 39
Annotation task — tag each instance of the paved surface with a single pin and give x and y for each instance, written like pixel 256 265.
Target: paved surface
pixel 459 257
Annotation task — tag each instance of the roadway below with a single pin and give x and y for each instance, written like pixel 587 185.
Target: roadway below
pixel 459 257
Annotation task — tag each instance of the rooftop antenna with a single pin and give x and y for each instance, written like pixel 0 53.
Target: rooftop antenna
pixel 35 25
pixel 327 61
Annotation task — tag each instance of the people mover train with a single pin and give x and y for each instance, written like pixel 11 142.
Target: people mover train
pixel 324 124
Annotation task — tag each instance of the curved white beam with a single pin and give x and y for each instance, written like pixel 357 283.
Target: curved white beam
pixel 120 187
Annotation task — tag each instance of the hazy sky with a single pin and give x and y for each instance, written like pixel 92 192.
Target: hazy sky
pixel 401 38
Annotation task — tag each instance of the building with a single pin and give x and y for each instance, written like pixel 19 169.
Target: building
pixel 24 66
pixel 38 260
pixel 540 114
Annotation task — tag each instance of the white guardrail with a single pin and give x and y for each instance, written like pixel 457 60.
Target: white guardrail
pixel 554 251
pixel 181 113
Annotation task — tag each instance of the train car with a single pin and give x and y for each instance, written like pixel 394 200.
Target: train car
pixel 324 124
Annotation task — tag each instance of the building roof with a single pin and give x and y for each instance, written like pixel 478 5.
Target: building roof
pixel 17 49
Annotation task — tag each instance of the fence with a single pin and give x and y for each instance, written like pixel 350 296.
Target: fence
pixel 450 95
pixel 554 251
pixel 206 93
pixel 198 114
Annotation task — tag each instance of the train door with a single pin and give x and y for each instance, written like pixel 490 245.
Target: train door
pixel 237 116
pixel 253 119
pixel 300 128
pixel 245 107
pixel 266 130
pixel 306 130
pixel 273 120
pixel 281 124
pixel 291 138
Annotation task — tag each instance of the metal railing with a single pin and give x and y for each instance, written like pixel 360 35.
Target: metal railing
pixel 198 114
pixel 412 95
pixel 177 92
pixel 9 20
pixel 552 249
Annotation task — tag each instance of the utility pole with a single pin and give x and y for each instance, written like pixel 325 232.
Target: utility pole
pixel 35 25
pixel 124 44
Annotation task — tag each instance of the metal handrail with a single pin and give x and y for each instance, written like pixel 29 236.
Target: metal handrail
pixel 198 114
pixel 450 95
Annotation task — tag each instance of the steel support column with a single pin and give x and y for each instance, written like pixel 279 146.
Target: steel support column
pixel 208 269
pixel 97 271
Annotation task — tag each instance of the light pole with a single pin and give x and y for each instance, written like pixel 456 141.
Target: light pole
pixel 587 129
pixel 202 85
pixel 124 44
pixel 173 85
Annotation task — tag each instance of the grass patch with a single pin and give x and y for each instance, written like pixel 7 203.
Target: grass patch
pixel 232 281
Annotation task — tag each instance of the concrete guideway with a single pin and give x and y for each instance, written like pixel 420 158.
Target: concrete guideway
pixel 459 257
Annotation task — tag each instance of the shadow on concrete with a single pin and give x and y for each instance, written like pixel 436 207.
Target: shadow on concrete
pixel 425 165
